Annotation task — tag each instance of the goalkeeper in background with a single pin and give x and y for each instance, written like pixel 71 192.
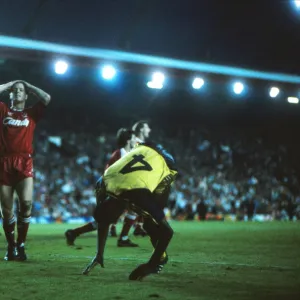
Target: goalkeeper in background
pixel 139 181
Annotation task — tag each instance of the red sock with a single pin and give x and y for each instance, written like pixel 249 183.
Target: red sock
pixel 139 219
pixel 139 223
pixel 9 230
pixel 22 226
pixel 126 227
pixel 91 226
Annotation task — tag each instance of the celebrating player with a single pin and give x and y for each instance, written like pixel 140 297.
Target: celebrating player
pixel 126 142
pixel 140 181
pixel 142 131
pixel 16 166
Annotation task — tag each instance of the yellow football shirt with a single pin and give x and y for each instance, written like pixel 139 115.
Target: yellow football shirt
pixel 141 168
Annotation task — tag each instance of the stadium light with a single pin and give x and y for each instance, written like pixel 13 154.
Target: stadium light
pixel 137 58
pixel 274 92
pixel 293 100
pixel 157 81
pixel 154 85
pixel 238 88
pixel 108 72
pixel 297 3
pixel 61 67
pixel 158 77
pixel 198 83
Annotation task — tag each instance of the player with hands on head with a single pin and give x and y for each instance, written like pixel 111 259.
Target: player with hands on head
pixel 17 125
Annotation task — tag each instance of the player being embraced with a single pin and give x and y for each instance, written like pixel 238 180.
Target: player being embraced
pixel 140 181
pixel 126 142
pixel 17 125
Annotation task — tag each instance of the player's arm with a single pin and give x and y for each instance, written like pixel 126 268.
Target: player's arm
pixel 6 87
pixel 168 157
pixel 44 97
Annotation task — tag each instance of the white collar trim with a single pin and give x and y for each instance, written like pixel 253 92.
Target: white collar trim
pixel 15 109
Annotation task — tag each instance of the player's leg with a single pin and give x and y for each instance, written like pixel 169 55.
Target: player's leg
pixel 72 234
pixel 152 230
pixel 107 213
pixel 8 219
pixel 151 227
pixel 113 230
pixel 124 240
pixel 102 233
pixel 159 229
pixel 24 189
pixel 155 263
pixel 139 231
pixel 163 237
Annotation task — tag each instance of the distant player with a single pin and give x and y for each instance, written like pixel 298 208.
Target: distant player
pixel 17 125
pixel 126 142
pixel 140 181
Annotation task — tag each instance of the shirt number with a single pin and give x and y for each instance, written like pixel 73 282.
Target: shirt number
pixel 136 159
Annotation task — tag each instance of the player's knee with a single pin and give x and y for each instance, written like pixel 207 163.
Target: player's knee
pixel 150 227
pixel 25 208
pixel 97 213
pixel 101 215
pixel 169 232
pixel 166 230
pixel 6 213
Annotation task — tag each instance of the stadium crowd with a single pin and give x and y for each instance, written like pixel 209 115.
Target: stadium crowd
pixel 229 177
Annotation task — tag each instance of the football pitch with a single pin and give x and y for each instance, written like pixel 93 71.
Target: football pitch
pixel 210 260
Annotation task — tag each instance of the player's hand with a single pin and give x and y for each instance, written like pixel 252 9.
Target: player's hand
pixel 6 87
pixel 10 84
pixel 97 260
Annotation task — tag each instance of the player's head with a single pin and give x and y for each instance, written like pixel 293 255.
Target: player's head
pixel 142 129
pixel 125 137
pixel 19 92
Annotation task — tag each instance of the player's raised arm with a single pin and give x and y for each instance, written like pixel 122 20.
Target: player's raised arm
pixel 42 95
pixel 6 87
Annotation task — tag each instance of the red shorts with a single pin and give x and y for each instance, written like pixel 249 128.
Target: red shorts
pixel 14 169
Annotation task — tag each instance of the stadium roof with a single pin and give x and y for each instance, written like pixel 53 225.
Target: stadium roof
pixel 259 35
pixel 19 48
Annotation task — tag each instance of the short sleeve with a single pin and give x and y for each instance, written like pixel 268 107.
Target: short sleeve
pixel 36 112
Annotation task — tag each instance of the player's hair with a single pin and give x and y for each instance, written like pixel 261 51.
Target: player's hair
pixel 136 128
pixel 25 87
pixel 123 135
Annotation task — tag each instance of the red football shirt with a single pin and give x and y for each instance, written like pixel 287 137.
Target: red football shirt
pixel 17 128
pixel 115 156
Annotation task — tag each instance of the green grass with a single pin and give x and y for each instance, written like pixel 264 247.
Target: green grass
pixel 207 261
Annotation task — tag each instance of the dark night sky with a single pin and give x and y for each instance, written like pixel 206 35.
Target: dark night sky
pixel 257 34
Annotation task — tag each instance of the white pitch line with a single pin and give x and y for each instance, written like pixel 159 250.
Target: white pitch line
pixel 181 261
